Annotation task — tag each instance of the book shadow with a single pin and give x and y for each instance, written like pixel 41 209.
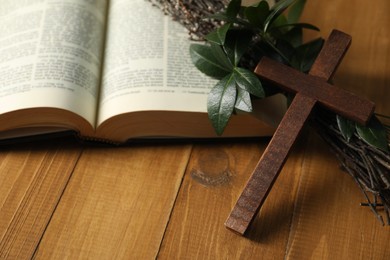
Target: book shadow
pixel 63 140
pixel 71 139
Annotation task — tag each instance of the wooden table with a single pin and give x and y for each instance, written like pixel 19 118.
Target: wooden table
pixel 66 200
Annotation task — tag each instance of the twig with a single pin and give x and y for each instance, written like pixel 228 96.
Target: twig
pixel 368 165
pixel 193 14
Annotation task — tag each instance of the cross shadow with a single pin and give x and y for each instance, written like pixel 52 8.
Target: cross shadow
pixel 372 87
pixel 274 224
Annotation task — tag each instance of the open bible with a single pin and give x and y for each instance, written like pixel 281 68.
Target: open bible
pixel 108 70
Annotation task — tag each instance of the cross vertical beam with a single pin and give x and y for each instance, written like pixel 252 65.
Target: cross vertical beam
pixel 310 90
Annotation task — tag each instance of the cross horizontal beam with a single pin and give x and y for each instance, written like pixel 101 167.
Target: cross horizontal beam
pixel 336 99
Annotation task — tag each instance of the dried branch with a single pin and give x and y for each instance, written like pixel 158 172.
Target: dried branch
pixel 368 166
pixel 193 14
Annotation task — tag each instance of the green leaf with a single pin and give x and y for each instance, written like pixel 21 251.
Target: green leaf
pixel 279 23
pixel 203 58
pixel 295 11
pixel 306 54
pixel 233 8
pixel 346 127
pixel 236 44
pixel 294 37
pixel 220 103
pixel 221 57
pixel 256 15
pixel 248 81
pixel 276 10
pixel 243 101
pixel 286 48
pixel 374 134
pixel 276 52
pixel 218 36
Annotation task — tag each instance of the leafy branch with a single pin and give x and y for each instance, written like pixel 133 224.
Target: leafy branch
pixel 239 37
pixel 231 52
pixel 250 33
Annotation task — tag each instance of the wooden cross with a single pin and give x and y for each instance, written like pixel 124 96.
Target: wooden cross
pixel 310 89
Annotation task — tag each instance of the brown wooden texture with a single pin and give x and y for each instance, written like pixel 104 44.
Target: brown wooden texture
pixel 328 222
pixel 310 89
pixel 109 210
pixel 213 180
pixel 331 97
pixel 270 164
pixel 365 68
pixel 331 55
pixel 32 181
pixel 117 204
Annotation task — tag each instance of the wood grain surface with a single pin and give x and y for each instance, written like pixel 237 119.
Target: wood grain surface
pixel 310 90
pixel 32 181
pixel 65 200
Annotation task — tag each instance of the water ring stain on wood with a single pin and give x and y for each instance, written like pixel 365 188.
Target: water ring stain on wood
pixel 212 169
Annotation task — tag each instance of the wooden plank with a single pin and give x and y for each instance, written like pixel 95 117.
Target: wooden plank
pixel 337 226
pixel 365 69
pixel 271 162
pixel 331 97
pixel 331 55
pixel 32 180
pixel 328 222
pixel 117 204
pixel 214 179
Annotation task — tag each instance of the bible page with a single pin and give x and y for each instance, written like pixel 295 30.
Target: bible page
pixel 147 64
pixel 50 54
